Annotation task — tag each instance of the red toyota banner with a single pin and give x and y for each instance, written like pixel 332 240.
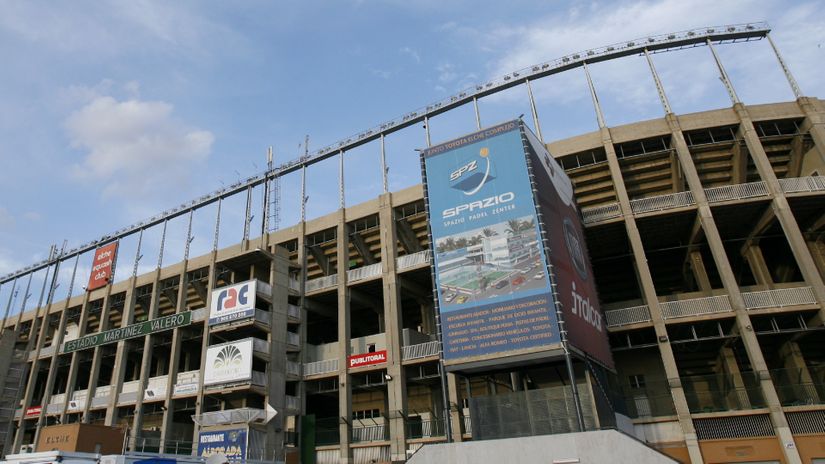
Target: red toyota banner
pixel 102 266
pixel 367 359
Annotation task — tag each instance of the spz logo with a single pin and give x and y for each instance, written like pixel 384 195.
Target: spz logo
pixel 471 166
pixel 233 297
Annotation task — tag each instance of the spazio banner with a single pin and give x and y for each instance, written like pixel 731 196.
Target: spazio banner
pixel 493 292
pixel 493 287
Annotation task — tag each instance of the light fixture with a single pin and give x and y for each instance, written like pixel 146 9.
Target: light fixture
pixel 387 377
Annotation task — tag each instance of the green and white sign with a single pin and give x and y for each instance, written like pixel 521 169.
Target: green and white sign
pixel 160 324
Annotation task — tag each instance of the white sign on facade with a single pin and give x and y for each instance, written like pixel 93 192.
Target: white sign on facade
pixel 232 303
pixel 228 363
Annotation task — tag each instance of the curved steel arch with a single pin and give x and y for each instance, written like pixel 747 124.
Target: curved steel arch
pixel 653 44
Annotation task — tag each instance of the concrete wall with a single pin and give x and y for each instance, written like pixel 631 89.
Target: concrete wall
pixel 586 447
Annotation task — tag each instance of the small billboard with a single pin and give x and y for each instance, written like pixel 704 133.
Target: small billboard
pixel 231 443
pixel 228 363
pixel 102 266
pixel 232 303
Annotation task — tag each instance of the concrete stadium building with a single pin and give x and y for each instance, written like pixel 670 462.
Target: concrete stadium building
pixel 705 233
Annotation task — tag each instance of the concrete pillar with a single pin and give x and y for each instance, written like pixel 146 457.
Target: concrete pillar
pixel 817 248
pixel 649 295
pixel 738 398
pixel 393 321
pixel 96 356
pixel 455 406
pixel 74 365
pixel 797 374
pixel 146 362
pixel 697 264
pixel 344 386
pixel 276 392
pixel 759 269
pixel 119 370
pixel 814 122
pixel 207 331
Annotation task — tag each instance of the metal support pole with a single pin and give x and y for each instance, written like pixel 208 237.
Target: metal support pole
pixel 794 86
pixel 26 296
pixel 723 75
pixel 596 105
pixel 533 109
pixel 304 197
pixel 659 87
pixel 217 226
pixel 188 236
pixel 384 167
pixel 427 129
pixel 138 256
pixel 162 244
pixel 8 306
pixel 248 218
pixel 478 115
pixel 341 199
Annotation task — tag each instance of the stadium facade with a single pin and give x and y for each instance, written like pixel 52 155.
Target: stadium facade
pixel 705 236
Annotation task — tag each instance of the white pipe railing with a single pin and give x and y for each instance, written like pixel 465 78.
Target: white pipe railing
pixel 413 259
pixel 803 184
pixel 625 316
pixel 662 202
pixel 321 282
pixel 421 350
pixel 321 367
pixel 736 192
pixel 779 298
pixel 364 272
pixel 695 307
pixel 601 213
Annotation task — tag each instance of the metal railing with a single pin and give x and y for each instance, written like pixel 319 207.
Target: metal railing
pixel 779 298
pixel 736 192
pixel 321 367
pixel 321 283
pixel 424 428
pixel 414 259
pixel 695 307
pixel 293 312
pixel 378 432
pixel 625 316
pixel 152 445
pixel 421 350
pixel 800 386
pixel 293 403
pixel 662 202
pixel 722 392
pixel 364 272
pixel 293 339
pixel 803 184
pixel 601 213
pixel 230 416
pixel 468 425
pixel 293 368
pixel 650 400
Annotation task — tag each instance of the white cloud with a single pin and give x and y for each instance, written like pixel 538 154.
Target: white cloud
pixel 446 72
pixel 7 263
pixel 32 216
pixel 412 53
pixel 135 150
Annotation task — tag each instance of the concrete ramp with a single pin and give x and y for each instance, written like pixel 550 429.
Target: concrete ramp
pixel 585 447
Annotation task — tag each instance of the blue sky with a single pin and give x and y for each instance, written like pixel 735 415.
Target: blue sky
pixel 113 111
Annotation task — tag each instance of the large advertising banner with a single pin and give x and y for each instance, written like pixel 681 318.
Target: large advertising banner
pixel 575 283
pixel 493 292
pixel 232 303
pixel 228 363
pixel 102 266
pixel 230 443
